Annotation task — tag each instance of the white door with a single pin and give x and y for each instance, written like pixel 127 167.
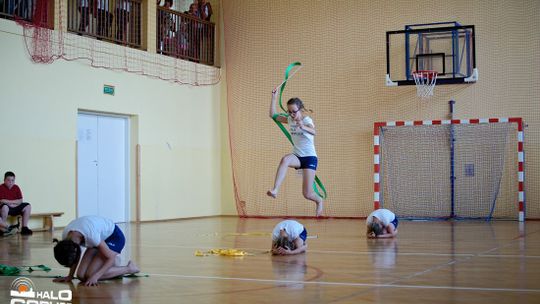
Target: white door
pixel 87 165
pixel 103 166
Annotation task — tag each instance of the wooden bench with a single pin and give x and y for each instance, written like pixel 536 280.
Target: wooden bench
pixel 48 223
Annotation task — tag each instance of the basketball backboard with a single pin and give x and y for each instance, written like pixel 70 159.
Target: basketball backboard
pixel 445 47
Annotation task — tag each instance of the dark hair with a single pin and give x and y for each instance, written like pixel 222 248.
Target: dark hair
pixel 8 174
pixel 376 228
pixel 66 252
pixel 296 101
pixel 170 1
pixel 284 243
pixel 299 103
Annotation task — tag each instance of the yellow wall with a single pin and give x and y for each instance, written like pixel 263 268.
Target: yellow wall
pixel 38 118
pixel 342 47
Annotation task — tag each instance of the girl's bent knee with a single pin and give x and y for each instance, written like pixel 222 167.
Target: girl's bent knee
pixel 309 196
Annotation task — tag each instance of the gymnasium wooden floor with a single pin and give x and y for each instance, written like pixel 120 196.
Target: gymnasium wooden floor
pixel 429 262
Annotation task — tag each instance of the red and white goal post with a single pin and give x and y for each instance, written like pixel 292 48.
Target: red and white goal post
pixel 459 168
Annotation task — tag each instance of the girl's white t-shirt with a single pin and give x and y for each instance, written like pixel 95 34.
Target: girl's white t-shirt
pixel 303 141
pixel 95 229
pixel 384 215
pixel 293 229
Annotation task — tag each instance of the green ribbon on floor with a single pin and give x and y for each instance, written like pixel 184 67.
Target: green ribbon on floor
pixel 317 182
pixel 7 270
pixel 37 267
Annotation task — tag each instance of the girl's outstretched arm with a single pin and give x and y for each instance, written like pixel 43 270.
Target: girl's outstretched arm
pixel 273 111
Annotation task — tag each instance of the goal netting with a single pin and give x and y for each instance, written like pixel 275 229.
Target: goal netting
pixel 450 169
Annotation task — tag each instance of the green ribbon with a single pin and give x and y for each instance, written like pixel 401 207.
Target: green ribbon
pixel 317 182
pixel 7 270
pixel 37 267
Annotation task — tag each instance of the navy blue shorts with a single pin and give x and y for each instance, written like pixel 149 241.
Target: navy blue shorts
pixel 308 162
pixel 395 222
pixel 17 210
pixel 303 235
pixel 116 241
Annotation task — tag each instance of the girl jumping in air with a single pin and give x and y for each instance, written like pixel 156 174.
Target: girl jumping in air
pixel 304 156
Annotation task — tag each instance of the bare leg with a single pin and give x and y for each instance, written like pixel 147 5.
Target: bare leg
pixel 4 214
pixel 288 161
pixel 113 272
pixel 117 271
pixel 307 190
pixel 87 258
pixel 26 215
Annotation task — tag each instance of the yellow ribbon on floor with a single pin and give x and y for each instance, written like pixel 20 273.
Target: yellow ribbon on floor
pixel 223 252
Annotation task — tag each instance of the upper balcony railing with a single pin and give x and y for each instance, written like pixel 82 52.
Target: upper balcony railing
pixel 178 35
pixel 118 21
pixel 25 10
pixel 184 36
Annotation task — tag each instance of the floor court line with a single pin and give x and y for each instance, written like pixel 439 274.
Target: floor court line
pixel 455 260
pixel 452 262
pixel 345 284
pixel 357 252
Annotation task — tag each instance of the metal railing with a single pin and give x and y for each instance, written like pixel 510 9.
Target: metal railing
pixel 26 10
pixel 184 36
pixel 178 35
pixel 118 21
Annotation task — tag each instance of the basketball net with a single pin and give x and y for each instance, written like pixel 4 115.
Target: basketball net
pixel 425 83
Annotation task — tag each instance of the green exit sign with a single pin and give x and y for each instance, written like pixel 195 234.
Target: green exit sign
pixel 108 89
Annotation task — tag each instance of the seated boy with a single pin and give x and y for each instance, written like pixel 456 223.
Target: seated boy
pixel 11 203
